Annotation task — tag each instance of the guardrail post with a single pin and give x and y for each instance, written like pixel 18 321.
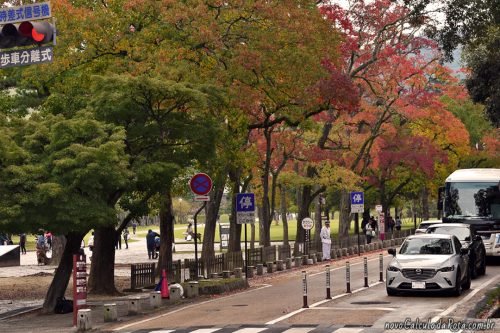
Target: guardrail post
pixel 304 288
pixel 328 295
pixel 381 261
pixel 348 276
pixel 365 264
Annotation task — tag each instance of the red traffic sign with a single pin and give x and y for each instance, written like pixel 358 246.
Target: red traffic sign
pixel 200 184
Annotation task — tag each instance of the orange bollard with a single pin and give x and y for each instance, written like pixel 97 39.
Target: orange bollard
pixel 164 285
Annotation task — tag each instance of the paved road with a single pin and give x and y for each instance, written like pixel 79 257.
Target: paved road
pixel 280 303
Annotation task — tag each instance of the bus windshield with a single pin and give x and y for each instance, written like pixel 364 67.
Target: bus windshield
pixel 470 199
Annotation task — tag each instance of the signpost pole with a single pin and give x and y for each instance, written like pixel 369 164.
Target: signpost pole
pixel 356 218
pixel 246 252
pixel 196 239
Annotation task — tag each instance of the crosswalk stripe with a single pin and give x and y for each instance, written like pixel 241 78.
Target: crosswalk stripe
pixel 162 331
pixel 250 330
pixel 299 330
pixel 349 330
pixel 206 330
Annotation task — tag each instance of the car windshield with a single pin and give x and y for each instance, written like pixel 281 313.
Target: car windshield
pixel 462 234
pixel 468 199
pixel 414 246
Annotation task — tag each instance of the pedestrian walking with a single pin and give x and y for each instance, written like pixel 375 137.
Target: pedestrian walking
pixel 150 242
pixel 370 233
pixel 22 243
pixel 398 223
pixel 134 227
pixel 118 241
pixel 125 237
pixel 326 241
pixel 48 237
pixel 90 243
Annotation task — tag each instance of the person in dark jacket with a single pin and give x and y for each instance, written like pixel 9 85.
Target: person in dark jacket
pixel 22 243
pixel 150 242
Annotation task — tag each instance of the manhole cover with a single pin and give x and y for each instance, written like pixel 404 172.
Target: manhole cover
pixel 370 303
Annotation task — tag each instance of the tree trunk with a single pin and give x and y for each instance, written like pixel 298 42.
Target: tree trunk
pixel 425 203
pixel 102 269
pixel 317 225
pixel 234 228
pixel 345 214
pixel 61 278
pixel 283 214
pixel 58 245
pixel 166 231
pixel 211 217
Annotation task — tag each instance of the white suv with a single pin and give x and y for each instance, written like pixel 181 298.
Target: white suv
pixel 422 227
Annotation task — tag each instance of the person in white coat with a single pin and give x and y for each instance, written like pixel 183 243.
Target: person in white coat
pixel 326 241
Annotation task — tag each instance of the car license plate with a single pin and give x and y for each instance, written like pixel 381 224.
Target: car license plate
pixel 418 285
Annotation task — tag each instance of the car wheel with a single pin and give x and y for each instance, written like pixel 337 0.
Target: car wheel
pixel 457 291
pixel 391 292
pixel 466 285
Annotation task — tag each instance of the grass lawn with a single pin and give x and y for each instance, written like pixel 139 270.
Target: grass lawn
pixel 179 229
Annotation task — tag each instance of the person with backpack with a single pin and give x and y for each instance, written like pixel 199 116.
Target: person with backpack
pixel 125 237
pixel 150 242
pixel 41 249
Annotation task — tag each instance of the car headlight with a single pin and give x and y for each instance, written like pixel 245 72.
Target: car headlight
pixel 447 269
pixel 393 269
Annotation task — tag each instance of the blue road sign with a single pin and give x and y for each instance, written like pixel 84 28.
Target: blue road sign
pixel 245 202
pixel 245 208
pixel 357 198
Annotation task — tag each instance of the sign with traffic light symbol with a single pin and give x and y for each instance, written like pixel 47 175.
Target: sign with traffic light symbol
pixel 24 26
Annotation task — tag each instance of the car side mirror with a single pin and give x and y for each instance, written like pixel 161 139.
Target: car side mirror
pixel 392 251
pixel 464 251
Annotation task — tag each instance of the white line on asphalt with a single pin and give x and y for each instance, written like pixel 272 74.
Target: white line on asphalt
pixel 205 330
pixel 463 300
pixel 186 307
pixel 299 330
pixel 354 309
pixel 250 330
pixel 349 330
pixel 293 313
pixel 162 331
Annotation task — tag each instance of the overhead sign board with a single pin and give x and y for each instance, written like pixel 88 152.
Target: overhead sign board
pixel 307 223
pixel 26 57
pixel 34 11
pixel 245 208
pixel 357 202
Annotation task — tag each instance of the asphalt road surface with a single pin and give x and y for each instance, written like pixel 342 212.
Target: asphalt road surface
pixel 277 306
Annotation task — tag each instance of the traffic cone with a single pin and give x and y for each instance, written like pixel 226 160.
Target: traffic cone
pixel 164 285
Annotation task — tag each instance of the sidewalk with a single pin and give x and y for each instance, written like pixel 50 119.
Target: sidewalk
pixel 33 322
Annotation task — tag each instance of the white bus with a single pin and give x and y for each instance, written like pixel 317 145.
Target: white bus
pixel 473 196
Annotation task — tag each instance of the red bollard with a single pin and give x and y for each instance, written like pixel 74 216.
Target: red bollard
pixel 164 285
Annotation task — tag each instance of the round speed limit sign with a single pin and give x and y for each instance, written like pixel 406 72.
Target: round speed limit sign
pixel 307 223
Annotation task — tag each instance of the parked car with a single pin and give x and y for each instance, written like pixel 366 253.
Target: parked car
pixel 429 263
pixel 422 227
pixel 469 239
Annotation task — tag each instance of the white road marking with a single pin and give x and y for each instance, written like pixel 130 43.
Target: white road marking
pixel 205 330
pixel 186 307
pixel 349 330
pixel 299 330
pixel 162 331
pixel 463 300
pixel 251 330
pixel 293 313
